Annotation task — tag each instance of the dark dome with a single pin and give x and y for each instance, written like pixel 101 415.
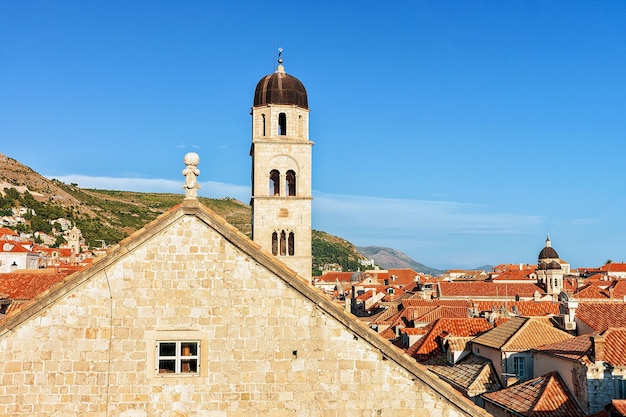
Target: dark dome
pixel 554 265
pixel 548 253
pixel 280 88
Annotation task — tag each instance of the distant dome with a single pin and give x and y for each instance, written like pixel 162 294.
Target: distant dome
pixel 548 251
pixel 356 277
pixel 280 88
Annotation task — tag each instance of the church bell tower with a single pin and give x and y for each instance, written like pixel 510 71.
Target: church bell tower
pixel 281 170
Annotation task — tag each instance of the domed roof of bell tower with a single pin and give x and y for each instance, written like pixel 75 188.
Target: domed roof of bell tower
pixel 548 251
pixel 280 88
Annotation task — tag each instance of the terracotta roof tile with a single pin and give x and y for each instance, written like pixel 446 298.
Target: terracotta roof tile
pixel 27 285
pixel 523 308
pixel 577 348
pixel 591 291
pixel 601 316
pixel 478 290
pixel 427 347
pixel 522 333
pixel 472 373
pixel 614 267
pixel 615 346
pixel 545 396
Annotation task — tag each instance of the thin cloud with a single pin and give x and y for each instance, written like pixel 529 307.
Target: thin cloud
pixel 404 216
pixel 210 189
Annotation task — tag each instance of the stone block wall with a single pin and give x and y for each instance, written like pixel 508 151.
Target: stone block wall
pixel 266 350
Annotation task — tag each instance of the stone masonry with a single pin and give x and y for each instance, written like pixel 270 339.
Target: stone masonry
pixel 270 343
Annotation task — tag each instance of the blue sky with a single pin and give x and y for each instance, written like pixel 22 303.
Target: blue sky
pixel 459 132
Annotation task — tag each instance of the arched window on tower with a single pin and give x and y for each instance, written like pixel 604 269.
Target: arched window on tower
pixel 300 126
pixel 274 182
pixel 291 243
pixel 263 117
pixel 291 182
pixel 274 243
pixel 282 124
pixel 283 243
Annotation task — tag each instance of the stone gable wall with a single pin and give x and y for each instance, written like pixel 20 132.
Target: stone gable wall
pixel 265 348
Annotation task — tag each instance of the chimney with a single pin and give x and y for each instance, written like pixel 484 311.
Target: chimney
pixel 597 346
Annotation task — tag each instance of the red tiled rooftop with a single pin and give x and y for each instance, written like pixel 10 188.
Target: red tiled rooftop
pixel 615 346
pixel 427 347
pixel 27 284
pixel 601 316
pixel 522 333
pixel 545 396
pixel 575 349
pixel 487 289
pixel 613 267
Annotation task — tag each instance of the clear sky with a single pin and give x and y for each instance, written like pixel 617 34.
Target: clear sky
pixel 459 132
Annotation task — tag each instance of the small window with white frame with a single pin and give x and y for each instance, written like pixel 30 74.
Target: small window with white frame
pixel 178 357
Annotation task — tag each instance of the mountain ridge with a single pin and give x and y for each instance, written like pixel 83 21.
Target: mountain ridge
pixel 390 258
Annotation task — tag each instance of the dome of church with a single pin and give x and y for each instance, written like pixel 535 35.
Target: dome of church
pixel 548 251
pixel 356 277
pixel 280 88
pixel 554 265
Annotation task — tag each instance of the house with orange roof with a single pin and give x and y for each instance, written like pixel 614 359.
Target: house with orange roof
pixel 546 395
pixel 521 274
pixel 430 345
pixel 597 316
pixel 614 269
pixel 509 345
pixel 9 234
pixel 23 286
pixel 593 366
pixel 14 255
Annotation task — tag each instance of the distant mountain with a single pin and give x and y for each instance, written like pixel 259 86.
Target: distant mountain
pixel 392 258
pixel 485 268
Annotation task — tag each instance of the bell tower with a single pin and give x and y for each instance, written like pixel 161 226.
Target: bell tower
pixel 281 170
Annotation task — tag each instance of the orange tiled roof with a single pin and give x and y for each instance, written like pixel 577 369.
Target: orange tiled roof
pixel 419 302
pixel 522 333
pixel 615 346
pixel 514 274
pixel 613 267
pixel 545 396
pixel 591 291
pixel 472 373
pixel 443 312
pixel 26 285
pixel 601 316
pixel 5 231
pixel 13 247
pixel 479 289
pixel 619 289
pixel 427 346
pixel 524 308
pixel 576 349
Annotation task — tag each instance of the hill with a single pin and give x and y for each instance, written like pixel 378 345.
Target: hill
pixel 110 216
pixel 392 258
